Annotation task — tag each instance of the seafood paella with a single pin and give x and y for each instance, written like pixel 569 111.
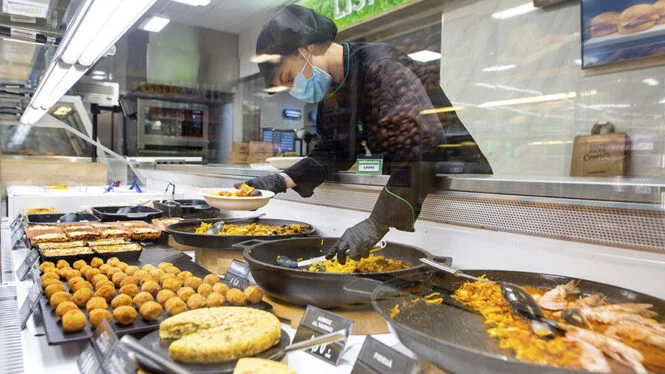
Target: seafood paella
pixel 257 229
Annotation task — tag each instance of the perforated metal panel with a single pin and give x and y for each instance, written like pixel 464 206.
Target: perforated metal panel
pixel 11 354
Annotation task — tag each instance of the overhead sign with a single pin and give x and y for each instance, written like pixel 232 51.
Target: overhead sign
pixel 348 12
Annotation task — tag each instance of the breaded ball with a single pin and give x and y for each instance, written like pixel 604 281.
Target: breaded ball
pixel 142 275
pixel 46 264
pixel 96 262
pixel 129 289
pixel 172 270
pixel 185 293
pixel 118 278
pixel 73 321
pixel 104 283
pixel 164 265
pixel 97 316
pixel 183 276
pixel 220 288
pixel 113 261
pixel 142 298
pixel 99 278
pixel 196 301
pixel 204 289
pixel 129 280
pixel 107 292
pixel 211 279
pixel 82 296
pixel 84 268
pixel 73 280
pixel 104 268
pixel 96 302
pixel 171 284
pixel 166 276
pixel 49 276
pixel 121 300
pixel 253 294
pixel 122 266
pixel 48 282
pixel 59 297
pixel 50 290
pixel 131 270
pixel 111 271
pixel 150 287
pixel 236 297
pixel 215 299
pixel 148 267
pixel 90 273
pixel 61 264
pixel 124 315
pixel 79 264
pixel 156 273
pixel 164 295
pixel 193 282
pixel 53 270
pixel 65 307
pixel 150 310
pixel 175 306
pixel 80 285
pixel 70 273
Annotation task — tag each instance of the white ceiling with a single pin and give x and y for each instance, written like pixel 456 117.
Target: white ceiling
pixel 224 15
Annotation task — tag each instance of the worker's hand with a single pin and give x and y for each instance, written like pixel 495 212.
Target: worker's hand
pixel 357 241
pixel 271 182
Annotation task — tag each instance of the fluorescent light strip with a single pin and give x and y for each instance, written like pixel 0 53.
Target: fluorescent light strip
pixel 155 24
pixel 258 59
pixel 32 115
pixel 513 12
pixel 499 68
pixel 441 110
pixel 87 30
pixel 193 2
pixel 425 56
pixel 71 77
pixel 651 82
pixel 276 89
pixel 528 100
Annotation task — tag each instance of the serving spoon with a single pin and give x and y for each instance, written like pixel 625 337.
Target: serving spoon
pixel 517 298
pixel 219 225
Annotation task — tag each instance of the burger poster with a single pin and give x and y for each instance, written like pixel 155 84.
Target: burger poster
pixel 621 30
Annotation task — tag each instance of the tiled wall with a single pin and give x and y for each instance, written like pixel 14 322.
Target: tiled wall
pixel 487 61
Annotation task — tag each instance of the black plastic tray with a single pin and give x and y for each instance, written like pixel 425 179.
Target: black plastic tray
pixel 110 213
pixel 154 255
pixel 52 219
pixel 87 257
pixel 187 208
pixel 128 256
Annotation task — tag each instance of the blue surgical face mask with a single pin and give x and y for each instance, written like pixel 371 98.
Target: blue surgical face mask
pixel 311 90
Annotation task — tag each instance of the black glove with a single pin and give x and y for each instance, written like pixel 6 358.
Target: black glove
pixel 357 240
pixel 271 182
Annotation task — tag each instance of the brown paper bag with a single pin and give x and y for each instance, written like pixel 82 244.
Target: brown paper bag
pixel 600 155
pixel 239 153
pixel 259 152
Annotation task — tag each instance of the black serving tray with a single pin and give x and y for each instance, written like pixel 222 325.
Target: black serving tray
pixel 52 219
pixel 187 208
pixel 110 213
pixel 53 327
pixel 127 256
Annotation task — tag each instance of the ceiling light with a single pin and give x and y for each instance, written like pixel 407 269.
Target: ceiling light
pixel 276 89
pixel 516 11
pixel 499 68
pixel 154 24
pixel 62 110
pixel 425 56
pixel 193 2
pixel 528 100
pixel 32 115
pixel 266 58
pixel 578 61
pixel 651 82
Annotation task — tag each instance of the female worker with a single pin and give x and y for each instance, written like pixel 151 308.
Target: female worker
pixel 368 95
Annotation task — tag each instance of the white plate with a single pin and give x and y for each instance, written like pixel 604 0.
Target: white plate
pixel 211 196
pixel 283 162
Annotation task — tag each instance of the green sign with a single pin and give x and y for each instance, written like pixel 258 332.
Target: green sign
pixel 348 12
pixel 372 165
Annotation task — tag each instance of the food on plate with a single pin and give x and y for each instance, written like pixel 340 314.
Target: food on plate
pixel 163 223
pixel 49 282
pixel 105 283
pixel 371 264
pixel 129 280
pixel 121 300
pixel 172 284
pixel 49 237
pixel 46 264
pixel 129 289
pixel 115 233
pixel 96 262
pixel 196 301
pixel 122 266
pixel 193 282
pixel 253 365
pixel 220 288
pixel 164 295
pixel 40 211
pixel 59 297
pixel 98 278
pixel 52 289
pixel 212 335
pixel 84 268
pixel 555 299
pixel 82 296
pixel 257 229
pixel 235 297
pixel 131 270
pixel 117 248
pixel 113 261
pixel 172 270
pixel 62 245
pixel 184 275
pixel 211 279
pixel 204 289
pixel 49 275
pixel 243 191
pixel 604 24
pixel 637 18
pixel 149 267
pixel 156 274
pixel 174 306
pixel 112 241
pixel 69 273
pixel 81 285
pixel 150 311
pixel 164 265
pixel 124 315
pixel 185 293
pixel 118 277
pixel 65 307
pixel 150 287
pixel 215 299
pixel 73 321
pixel 254 294
pixel 145 233
pixel 142 298
pixel 133 224
pixel 90 273
pixel 111 271
pixel 97 316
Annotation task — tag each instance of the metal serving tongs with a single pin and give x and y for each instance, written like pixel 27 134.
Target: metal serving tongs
pixel 173 368
pixel 289 263
pixel 170 201
pixel 218 226
pixel 517 298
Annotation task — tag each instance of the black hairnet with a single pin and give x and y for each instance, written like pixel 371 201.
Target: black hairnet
pixel 292 27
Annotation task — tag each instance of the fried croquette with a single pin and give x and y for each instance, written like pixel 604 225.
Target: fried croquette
pixel 122 266
pixel 215 299
pixel 129 289
pixel 129 280
pixel 171 284
pixel 73 280
pixel 78 264
pixel 254 294
pixel 196 301
pixel 96 302
pixel 46 264
pixel 236 297
pixel 61 264
pixel 121 300
pixel 211 279
pixel 52 289
pixel 49 276
pixel 104 283
pixel 148 267
pixel 204 289
pixel 164 265
pixel 73 321
pixel 96 262
pixel 124 315
pixel 142 298
pixel 150 287
pixel 65 307
pixel 99 278
pixel 185 293
pixel 164 295
pixel 193 282
pixel 150 310
pixel 97 316
pixel 48 282
pixel 183 276
pixel 111 271
pixel 82 296
pixel 59 297
pixel 118 278
pixel 172 270
pixel 104 268
pixel 107 292
pixel 80 285
pixel 131 270
pixel 113 261
pixel 175 305
pixel 90 273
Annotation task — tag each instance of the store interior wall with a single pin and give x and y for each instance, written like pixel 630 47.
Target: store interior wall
pixel 542 52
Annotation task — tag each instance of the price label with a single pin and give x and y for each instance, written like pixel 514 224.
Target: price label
pixel 370 165
pixel 88 362
pixel 26 265
pixel 237 275
pixel 29 304
pixel 378 358
pixel 317 322
pixel 119 362
pixel 104 340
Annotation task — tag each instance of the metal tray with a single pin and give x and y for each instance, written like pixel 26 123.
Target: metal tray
pixel 53 327
pixel 109 213
pixel 161 347
pixel 52 219
pixel 187 208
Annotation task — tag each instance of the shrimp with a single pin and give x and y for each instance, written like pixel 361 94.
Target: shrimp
pixel 631 308
pixel 613 348
pixel 637 333
pixel 555 299
pixel 610 317
pixel 590 301
pixel 592 358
